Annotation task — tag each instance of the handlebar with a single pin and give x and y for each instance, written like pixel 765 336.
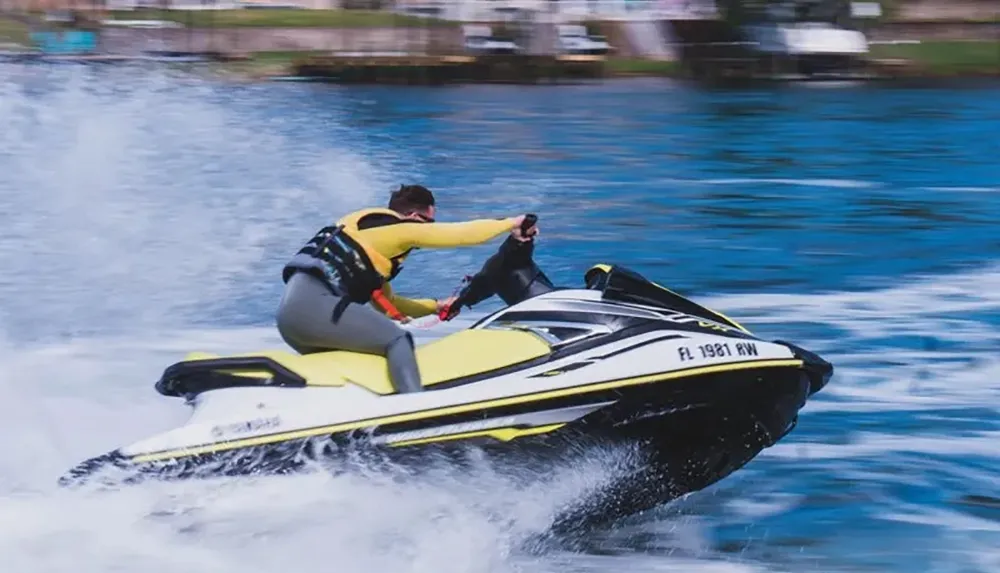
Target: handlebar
pixel 530 219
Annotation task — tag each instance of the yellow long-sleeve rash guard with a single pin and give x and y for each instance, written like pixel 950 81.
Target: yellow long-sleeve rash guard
pixel 389 240
pixel 413 307
pixel 393 240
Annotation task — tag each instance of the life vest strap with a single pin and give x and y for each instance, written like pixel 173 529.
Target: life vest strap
pixel 379 298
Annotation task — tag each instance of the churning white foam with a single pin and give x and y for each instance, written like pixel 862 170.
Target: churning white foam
pixel 311 522
pixel 131 199
pixel 945 361
pixel 126 209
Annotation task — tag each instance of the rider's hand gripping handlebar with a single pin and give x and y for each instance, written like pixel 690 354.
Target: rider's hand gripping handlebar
pixel 451 311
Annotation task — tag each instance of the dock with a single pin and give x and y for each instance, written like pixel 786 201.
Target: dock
pixel 453 68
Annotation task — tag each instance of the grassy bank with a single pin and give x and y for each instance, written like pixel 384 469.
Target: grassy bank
pixel 12 31
pixel 632 67
pixel 943 58
pixel 280 18
pixel 926 60
pixel 263 64
pixel 269 64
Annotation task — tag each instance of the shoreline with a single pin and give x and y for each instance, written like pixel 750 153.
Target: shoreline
pixel 930 61
pixel 238 44
pixel 265 68
pixel 270 66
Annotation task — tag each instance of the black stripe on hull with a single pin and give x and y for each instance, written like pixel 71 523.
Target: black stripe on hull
pixel 722 428
pixel 610 318
pixel 657 414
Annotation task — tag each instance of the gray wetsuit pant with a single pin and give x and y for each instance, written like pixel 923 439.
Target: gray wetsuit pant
pixel 305 321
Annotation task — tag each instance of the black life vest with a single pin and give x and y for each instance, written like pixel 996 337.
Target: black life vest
pixel 335 258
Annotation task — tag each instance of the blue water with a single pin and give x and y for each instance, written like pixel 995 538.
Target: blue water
pixel 147 214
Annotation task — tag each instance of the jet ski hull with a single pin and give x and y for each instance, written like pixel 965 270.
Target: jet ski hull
pixel 689 431
pixel 624 363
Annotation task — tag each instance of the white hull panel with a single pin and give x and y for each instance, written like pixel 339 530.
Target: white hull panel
pixel 241 413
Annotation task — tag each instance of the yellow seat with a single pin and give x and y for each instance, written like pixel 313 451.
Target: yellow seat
pixel 465 353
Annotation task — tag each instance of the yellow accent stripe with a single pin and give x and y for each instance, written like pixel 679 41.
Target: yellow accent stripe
pixel 502 434
pixel 513 400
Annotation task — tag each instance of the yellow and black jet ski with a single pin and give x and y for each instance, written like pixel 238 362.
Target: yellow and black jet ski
pixel 620 360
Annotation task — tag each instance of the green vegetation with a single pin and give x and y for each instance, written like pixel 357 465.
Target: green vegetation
pixel 928 59
pixel 283 57
pixel 264 64
pixel 13 31
pixel 280 18
pixel 945 58
pixel 638 67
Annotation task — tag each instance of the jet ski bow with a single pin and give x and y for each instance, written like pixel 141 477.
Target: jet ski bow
pixel 618 360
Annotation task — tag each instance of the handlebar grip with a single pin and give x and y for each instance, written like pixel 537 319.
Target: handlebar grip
pixel 529 221
pixel 450 311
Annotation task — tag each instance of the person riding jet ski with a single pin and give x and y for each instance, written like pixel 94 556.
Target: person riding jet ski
pixel 353 262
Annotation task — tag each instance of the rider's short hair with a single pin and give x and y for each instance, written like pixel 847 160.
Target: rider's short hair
pixel 409 198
